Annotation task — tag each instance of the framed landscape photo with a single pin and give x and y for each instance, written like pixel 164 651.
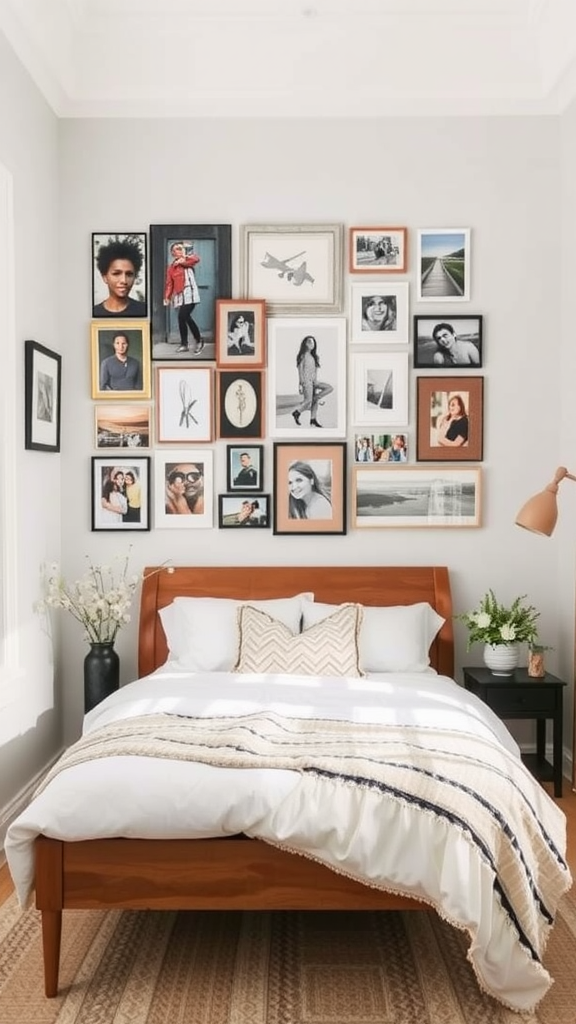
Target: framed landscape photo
pixel 241 333
pixel 295 268
pixel 183 488
pixel 307 377
pixel 414 496
pixel 379 313
pixel 191 268
pixel 382 449
pixel 245 467
pixel 244 511
pixel 120 360
pixel 375 250
pixel 123 426
pixel 120 493
pixel 43 388
pixel 184 404
pixel 450 419
pixel 443 265
pixel 240 403
pixel 449 342
pixel 119 274
pixel 309 488
pixel 380 388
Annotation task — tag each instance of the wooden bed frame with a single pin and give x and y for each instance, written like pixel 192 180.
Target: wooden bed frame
pixel 233 873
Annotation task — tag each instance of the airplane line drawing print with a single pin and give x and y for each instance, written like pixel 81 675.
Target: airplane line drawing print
pixel 295 269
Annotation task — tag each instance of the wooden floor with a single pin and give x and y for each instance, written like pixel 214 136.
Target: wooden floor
pixel 567 802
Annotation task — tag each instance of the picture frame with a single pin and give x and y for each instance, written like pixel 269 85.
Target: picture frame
pixel 184 404
pixel 379 313
pixel 416 496
pixel 448 342
pixel 116 503
pixel 449 419
pixel 380 388
pixel 188 333
pixel 245 467
pixel 42 397
pixel 122 427
pixel 378 250
pixel 130 379
pixel 183 488
pixel 320 407
pixel 295 268
pixel 309 488
pixel 119 274
pixel 243 510
pixel 241 333
pixel 443 265
pixel 240 404
pixel 390 450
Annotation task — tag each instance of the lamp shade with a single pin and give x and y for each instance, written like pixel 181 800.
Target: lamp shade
pixel 540 513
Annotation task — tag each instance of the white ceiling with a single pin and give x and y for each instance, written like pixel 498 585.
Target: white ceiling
pixel 213 58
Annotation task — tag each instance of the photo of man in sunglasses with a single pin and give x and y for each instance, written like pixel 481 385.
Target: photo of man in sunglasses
pixel 184 488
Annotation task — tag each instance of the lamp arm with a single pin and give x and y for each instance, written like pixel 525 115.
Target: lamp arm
pixel 560 474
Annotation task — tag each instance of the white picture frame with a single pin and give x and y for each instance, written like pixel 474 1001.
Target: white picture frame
pixel 380 388
pixel 295 268
pixel 183 461
pixel 379 312
pixel 443 265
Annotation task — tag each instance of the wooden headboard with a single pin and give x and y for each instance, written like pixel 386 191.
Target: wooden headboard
pixel 370 585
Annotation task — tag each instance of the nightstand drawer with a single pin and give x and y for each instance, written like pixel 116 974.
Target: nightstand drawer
pixel 515 698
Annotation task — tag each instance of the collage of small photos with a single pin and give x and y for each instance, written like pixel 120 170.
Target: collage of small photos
pixel 318 419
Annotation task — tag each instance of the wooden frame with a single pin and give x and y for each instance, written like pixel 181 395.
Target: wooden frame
pixel 448 343
pixel 243 510
pixel 374 250
pixel 108 384
pixel 443 262
pixel 123 257
pixel 240 403
pixel 241 333
pixel 379 388
pixel 235 873
pixel 184 404
pixel 42 397
pixel 450 419
pixel 122 427
pixel 183 488
pixel 391 449
pixel 379 313
pixel 309 488
pixel 245 467
pixel 129 513
pixel 414 496
pixel 296 268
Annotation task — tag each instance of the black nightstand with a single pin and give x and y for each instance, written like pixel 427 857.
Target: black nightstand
pixel 522 696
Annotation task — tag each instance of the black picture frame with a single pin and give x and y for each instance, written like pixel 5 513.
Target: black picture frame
pixel 428 355
pixel 243 511
pixel 42 397
pixel 240 409
pixel 106 467
pixel 239 473
pixel 320 466
pixel 127 245
pixel 212 243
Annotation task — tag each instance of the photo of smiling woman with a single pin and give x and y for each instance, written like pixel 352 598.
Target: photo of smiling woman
pixel 309 490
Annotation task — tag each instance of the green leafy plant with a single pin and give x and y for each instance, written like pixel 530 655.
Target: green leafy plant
pixel 494 623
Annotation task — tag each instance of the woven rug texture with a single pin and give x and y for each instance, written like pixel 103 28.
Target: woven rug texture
pixel 163 967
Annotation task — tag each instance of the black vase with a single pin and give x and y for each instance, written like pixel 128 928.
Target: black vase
pixel 101 674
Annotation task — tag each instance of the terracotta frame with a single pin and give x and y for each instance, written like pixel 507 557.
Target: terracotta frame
pixel 414 496
pixel 365 243
pixel 328 463
pixel 433 396
pixel 184 404
pixel 235 352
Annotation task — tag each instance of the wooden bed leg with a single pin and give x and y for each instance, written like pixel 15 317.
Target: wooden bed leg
pixel 49 900
pixel 51 935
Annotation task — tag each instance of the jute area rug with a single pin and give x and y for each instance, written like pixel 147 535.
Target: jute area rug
pixel 138 967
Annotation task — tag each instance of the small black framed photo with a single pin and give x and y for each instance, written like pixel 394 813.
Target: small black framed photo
pixel 245 467
pixel 240 410
pixel 120 493
pixel 244 510
pixel 43 387
pixel 449 342
pixel 119 272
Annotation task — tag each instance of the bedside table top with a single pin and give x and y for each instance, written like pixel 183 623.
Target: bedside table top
pixel 519 677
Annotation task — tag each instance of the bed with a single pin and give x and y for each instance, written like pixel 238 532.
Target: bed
pixel 245 872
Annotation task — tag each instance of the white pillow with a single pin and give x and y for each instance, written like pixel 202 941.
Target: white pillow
pixel 330 648
pixel 393 639
pixel 201 632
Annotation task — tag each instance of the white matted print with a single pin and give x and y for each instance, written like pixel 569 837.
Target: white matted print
pixel 183 482
pixel 294 268
pixel 416 497
pixel 184 404
pixel 443 262
pixel 307 377
pixel 380 388
pixel 379 312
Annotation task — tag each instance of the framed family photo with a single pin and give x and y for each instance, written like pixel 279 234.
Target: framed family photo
pixel 119 274
pixel 245 467
pixel 43 389
pixel 451 342
pixel 191 268
pixel 381 449
pixel 309 488
pixel 414 496
pixel 380 388
pixel 243 510
pixel 450 419
pixel 184 404
pixel 375 250
pixel 241 333
pixel 295 268
pixel 120 360
pixel 240 403
pixel 307 377
pixel 379 313
pixel 183 488
pixel 120 493
pixel 123 426
pixel 443 265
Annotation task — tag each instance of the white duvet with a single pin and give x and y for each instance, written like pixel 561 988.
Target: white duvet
pixel 388 846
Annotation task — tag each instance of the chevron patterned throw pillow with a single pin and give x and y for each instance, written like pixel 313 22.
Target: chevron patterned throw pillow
pixel 329 648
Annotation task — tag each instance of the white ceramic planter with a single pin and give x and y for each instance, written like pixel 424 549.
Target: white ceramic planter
pixel 501 659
